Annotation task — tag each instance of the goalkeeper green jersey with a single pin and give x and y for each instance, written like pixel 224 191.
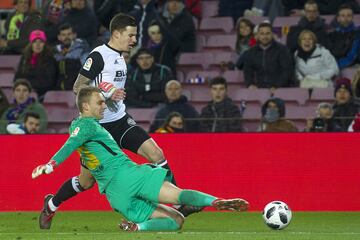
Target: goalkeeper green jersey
pixel 97 148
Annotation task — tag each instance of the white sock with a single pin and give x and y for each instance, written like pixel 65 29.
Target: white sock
pixel 52 206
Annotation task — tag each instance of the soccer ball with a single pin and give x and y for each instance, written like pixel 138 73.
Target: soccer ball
pixel 277 215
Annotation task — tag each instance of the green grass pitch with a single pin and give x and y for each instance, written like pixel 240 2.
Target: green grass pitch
pixel 206 225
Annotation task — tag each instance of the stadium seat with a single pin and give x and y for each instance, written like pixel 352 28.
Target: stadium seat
pixel 292 95
pixel 322 95
pixel 221 57
pixel 234 76
pixel 250 96
pixel 209 9
pixel 200 42
pixel 194 61
pixel 199 92
pixel 60 118
pixel 299 112
pixel 9 62
pixel 66 98
pixel 258 19
pixel 221 43
pixel 207 75
pixel 348 72
pixel 220 25
pixel 180 76
pixel 7 79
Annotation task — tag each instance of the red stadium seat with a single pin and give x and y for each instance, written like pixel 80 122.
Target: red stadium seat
pixel 234 76
pixel 66 98
pixel 250 96
pixel 9 62
pixel 200 42
pixel 322 95
pixel 7 79
pixel 209 9
pixel 141 115
pixel 194 61
pixel 221 43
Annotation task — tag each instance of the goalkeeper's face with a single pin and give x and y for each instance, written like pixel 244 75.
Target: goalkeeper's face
pixel 96 106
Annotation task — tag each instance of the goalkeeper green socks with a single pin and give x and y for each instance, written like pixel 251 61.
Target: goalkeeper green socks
pixel 158 224
pixel 195 198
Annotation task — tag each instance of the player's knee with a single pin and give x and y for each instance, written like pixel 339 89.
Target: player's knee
pixel 86 182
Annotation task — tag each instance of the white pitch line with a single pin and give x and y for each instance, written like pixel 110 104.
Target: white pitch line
pixel 189 233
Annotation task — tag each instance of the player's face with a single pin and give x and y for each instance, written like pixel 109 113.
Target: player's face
pixel 265 36
pixel 32 125
pixel 21 94
pixel 37 46
pixel 125 40
pixel 218 92
pixel 307 42
pixel 97 105
pixel 66 36
pixel 345 17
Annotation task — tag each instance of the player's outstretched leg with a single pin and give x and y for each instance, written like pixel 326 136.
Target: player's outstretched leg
pixel 69 189
pixel 151 151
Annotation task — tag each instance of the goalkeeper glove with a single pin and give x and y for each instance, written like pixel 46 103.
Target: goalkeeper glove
pixel 44 168
pixel 107 89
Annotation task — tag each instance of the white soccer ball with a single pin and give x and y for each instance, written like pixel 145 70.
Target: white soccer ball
pixel 277 215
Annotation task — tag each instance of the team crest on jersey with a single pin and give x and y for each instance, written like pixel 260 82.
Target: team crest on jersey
pixel 131 121
pixel 75 132
pixel 88 64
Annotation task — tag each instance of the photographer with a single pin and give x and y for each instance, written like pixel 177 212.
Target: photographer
pixel 324 121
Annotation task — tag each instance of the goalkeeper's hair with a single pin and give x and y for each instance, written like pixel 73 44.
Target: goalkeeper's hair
pixel 84 95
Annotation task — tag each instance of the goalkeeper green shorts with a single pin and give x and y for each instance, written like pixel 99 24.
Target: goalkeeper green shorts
pixel 135 192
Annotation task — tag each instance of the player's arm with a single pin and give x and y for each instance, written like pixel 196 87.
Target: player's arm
pixel 91 71
pixel 78 137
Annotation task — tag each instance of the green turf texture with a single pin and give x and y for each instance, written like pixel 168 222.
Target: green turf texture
pixel 206 225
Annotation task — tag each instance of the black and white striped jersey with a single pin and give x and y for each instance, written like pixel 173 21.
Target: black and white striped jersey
pixel 105 64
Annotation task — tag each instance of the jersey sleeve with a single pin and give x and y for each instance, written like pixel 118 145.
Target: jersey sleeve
pixel 93 66
pixel 81 133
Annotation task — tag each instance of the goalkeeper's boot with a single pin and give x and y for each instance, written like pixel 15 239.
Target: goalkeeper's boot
pixel 46 214
pixel 236 204
pixel 128 226
pixel 187 210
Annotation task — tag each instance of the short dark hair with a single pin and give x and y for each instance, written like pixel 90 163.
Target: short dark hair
pixel 83 96
pixel 218 80
pixel 265 24
pixel 120 21
pixel 64 26
pixel 310 2
pixel 31 114
pixel 24 82
pixel 344 6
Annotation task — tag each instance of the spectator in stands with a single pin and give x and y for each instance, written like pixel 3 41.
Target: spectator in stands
pixel 23 103
pixel 83 20
pixel 244 39
pixel 145 85
pixel 70 54
pixel 355 124
pixel 174 123
pixel 271 8
pixel 310 21
pixel 160 47
pixel 144 13
pixel 234 9
pixel 268 64
pixel 4 103
pixel 193 6
pixel 30 125
pixel 18 26
pixel 345 107
pixel 344 41
pixel 221 114
pixel 54 12
pixel 38 65
pixel 273 117
pixel 330 7
pixel 355 84
pixel 179 27
pixel 314 65
pixel 176 102
pixel 293 7
pixel 324 121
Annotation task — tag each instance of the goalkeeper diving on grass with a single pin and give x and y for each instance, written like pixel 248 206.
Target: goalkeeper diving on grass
pixel 138 192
